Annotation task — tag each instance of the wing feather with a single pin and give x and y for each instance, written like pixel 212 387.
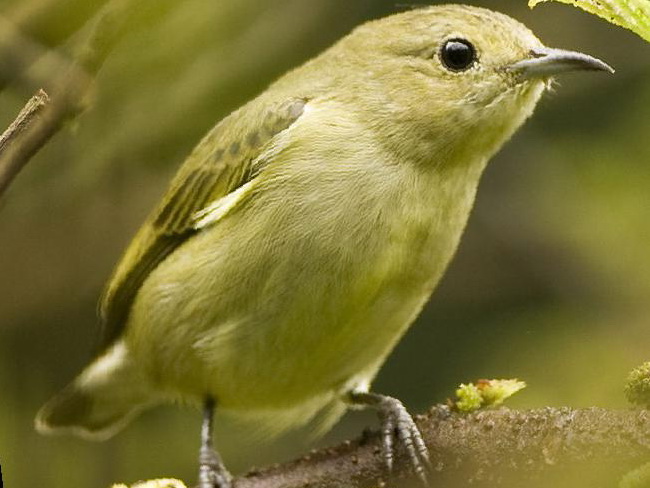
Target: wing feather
pixel 219 165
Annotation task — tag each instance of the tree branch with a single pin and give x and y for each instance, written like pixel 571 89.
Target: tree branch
pixel 27 117
pixel 68 93
pixel 489 448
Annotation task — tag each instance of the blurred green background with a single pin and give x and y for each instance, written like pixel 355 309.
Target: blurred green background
pixel 551 283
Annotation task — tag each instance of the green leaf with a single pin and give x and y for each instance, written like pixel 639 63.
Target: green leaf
pixel 494 392
pixel 485 393
pixel 631 14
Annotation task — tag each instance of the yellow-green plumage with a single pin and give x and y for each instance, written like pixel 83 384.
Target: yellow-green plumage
pixel 306 231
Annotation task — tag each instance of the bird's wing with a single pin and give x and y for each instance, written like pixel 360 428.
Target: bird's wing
pixel 223 165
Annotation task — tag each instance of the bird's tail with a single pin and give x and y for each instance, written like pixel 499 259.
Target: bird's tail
pixel 100 401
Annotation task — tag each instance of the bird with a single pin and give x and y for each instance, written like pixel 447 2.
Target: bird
pixel 305 232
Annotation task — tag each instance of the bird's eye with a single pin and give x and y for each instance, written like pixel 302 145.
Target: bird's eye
pixel 457 54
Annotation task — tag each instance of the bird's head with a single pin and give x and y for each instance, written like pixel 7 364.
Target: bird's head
pixel 457 77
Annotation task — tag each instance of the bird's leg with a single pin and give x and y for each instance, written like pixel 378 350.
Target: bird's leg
pixel 397 427
pixel 212 472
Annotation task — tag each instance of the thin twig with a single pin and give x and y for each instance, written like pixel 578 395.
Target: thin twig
pixel 26 118
pixel 69 92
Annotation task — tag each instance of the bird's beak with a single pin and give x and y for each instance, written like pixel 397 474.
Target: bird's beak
pixel 545 61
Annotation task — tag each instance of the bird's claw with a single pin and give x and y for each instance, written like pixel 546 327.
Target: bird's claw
pixel 398 427
pixel 212 472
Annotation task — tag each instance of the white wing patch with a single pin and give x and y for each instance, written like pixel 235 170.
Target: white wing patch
pixel 219 208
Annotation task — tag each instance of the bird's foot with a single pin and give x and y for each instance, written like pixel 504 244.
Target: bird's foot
pixel 212 472
pixel 397 427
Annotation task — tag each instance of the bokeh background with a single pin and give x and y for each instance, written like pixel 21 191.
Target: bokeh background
pixel 550 285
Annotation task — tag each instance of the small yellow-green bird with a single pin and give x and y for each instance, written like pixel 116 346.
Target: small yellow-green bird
pixel 305 232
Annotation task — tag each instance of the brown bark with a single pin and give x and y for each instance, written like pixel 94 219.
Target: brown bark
pixel 490 448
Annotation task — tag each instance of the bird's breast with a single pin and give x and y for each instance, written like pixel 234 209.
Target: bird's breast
pixel 308 283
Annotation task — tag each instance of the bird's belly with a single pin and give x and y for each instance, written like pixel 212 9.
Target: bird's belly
pixel 266 315
pixel 289 337
pixel 321 345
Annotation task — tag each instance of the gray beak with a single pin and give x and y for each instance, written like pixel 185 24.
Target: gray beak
pixel 546 61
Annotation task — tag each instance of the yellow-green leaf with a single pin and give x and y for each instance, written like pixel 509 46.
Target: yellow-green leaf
pixel 631 14
pixel 494 392
pixel 485 393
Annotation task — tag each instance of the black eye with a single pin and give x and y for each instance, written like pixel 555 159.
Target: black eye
pixel 458 54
